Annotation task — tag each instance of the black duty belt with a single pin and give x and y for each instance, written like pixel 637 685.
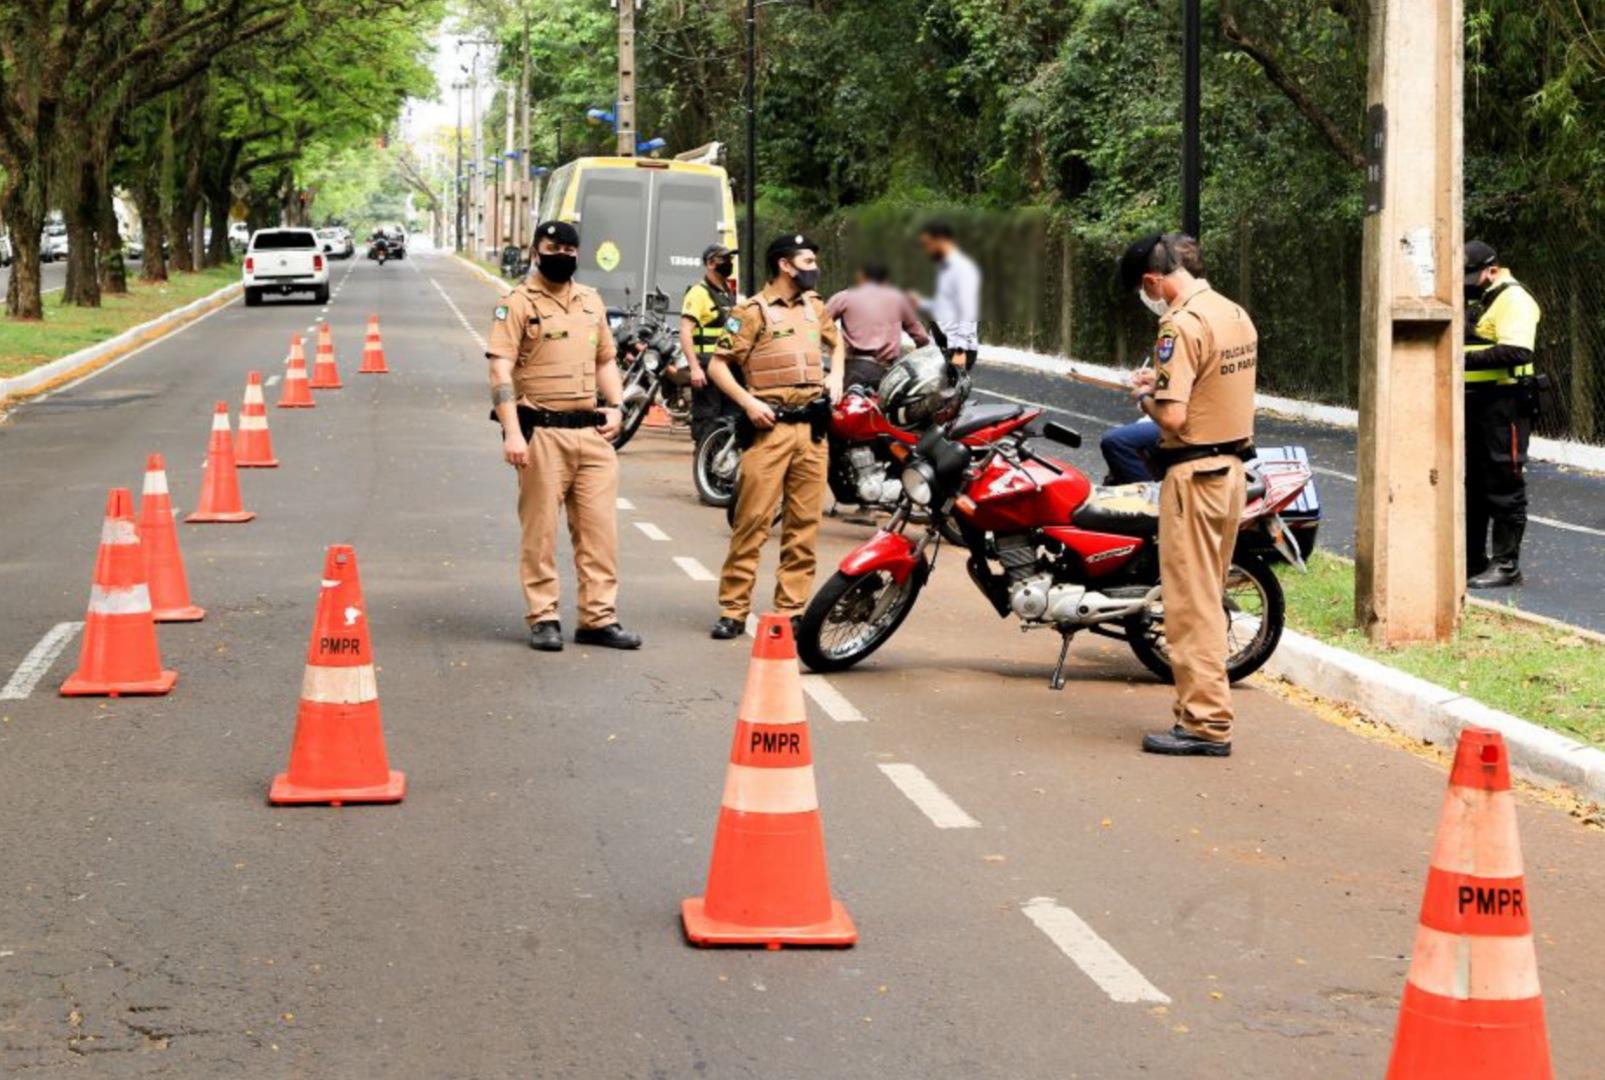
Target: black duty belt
pixel 1168 456
pixel 529 419
pixel 816 414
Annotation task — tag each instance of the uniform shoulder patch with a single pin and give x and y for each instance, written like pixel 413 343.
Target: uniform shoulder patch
pixel 1165 347
pixel 501 312
pixel 733 324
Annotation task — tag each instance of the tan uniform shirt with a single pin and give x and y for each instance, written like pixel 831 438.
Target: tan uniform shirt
pixel 747 323
pixel 556 340
pixel 1206 356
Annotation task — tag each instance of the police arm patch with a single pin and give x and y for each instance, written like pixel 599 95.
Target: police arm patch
pixel 1166 346
pixel 733 325
pixel 501 312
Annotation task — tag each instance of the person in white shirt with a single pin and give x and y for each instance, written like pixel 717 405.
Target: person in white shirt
pixel 956 302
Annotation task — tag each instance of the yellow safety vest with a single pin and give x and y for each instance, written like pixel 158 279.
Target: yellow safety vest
pixel 1510 316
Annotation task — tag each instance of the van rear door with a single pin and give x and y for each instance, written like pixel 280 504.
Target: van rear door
pixel 613 207
pixel 687 211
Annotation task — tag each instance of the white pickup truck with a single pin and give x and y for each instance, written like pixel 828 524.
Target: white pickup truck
pixel 285 261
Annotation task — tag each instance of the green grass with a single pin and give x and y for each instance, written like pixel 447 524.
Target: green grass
pixel 66 328
pixel 1549 676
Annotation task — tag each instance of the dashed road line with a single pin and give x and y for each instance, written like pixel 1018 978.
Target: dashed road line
pixel 272 380
pixel 458 312
pixel 625 504
pixel 1096 958
pixel 931 800
pixel 694 569
pixel 832 700
pixel 651 531
pixel 38 661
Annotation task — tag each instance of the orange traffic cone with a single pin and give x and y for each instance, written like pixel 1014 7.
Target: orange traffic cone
pixel 767 883
pixel 338 755
pixel 253 444
pixel 119 654
pixel 220 484
pixel 296 393
pixel 373 351
pixel 1472 1009
pixel 325 376
pixel 658 417
pixel 164 563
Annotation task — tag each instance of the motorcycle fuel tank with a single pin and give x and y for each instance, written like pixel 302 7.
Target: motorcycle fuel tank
pixel 857 418
pixel 1011 498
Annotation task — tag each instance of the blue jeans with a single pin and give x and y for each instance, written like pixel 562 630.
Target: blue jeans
pixel 1126 449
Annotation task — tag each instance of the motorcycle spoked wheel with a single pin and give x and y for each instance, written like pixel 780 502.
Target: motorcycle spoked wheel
pixel 636 406
pixel 716 486
pixel 853 615
pixel 1255 610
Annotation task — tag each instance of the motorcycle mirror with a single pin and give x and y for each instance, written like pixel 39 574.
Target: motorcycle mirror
pixel 1062 435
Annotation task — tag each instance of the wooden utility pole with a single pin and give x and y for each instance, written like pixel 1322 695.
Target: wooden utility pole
pixel 1410 542
pixel 624 110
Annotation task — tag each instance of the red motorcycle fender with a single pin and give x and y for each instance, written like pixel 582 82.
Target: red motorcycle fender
pixel 883 551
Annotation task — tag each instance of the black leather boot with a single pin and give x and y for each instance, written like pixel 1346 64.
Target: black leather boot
pixel 546 636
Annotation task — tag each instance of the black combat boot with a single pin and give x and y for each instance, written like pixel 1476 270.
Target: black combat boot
pixel 1501 574
pixel 546 636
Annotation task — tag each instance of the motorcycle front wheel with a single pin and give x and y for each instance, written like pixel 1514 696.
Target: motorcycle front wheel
pixel 639 392
pixel 1255 610
pixel 853 615
pixel 716 466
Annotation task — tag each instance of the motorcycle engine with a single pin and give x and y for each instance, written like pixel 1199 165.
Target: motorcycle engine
pixel 1034 595
pixel 869 477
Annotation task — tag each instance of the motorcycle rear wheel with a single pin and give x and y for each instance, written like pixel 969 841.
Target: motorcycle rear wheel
pixel 853 615
pixel 714 488
pixel 1255 610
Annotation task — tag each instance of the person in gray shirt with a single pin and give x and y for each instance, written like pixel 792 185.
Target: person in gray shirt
pixel 956 301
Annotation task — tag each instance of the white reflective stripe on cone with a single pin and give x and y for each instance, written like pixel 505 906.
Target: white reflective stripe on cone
pixel 253 423
pixel 155 483
pixel 253 394
pixel 770 791
pixel 133 600
pixel 1464 967
pixel 1477 834
pixel 339 685
pixel 120 532
pixel 220 421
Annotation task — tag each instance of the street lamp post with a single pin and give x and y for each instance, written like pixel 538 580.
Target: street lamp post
pixel 749 243
pixel 1191 105
pixel 457 186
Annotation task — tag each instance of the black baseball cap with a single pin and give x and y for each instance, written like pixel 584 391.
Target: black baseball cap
pixel 717 251
pixel 1134 263
pixel 784 247
pixel 1479 257
pixel 560 232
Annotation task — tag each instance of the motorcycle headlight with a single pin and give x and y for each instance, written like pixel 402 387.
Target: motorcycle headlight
pixel 652 360
pixel 918 481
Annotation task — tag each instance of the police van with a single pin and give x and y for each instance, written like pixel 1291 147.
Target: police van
pixel 643 223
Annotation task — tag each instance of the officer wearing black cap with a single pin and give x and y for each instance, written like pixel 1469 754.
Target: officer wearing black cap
pixel 703 314
pixel 551 359
pixel 777 340
pixel 1501 402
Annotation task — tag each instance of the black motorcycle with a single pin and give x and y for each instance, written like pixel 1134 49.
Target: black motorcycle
pixel 651 366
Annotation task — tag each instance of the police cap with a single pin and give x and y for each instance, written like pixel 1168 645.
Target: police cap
pixel 716 251
pixel 1479 257
pixel 559 232
pixel 1134 263
pixel 784 247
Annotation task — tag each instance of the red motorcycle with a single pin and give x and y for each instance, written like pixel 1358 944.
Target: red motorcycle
pixel 1046 546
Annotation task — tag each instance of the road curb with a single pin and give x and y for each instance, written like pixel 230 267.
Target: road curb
pixel 73 366
pixel 1574 455
pixel 501 284
pixel 1433 714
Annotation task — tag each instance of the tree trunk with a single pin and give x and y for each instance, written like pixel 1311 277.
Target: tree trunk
pixel 23 299
pixel 80 206
pixel 180 239
pixel 153 232
pixel 217 253
pixel 113 270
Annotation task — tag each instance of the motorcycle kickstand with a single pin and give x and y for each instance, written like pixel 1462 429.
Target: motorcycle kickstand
pixel 1057 681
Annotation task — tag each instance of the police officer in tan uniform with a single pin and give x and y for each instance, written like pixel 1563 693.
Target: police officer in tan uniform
pixel 550 353
pixel 1201 394
pixel 778 340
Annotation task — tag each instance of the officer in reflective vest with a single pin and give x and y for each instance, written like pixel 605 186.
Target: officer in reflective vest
pixel 550 352
pixel 1501 402
pixel 777 339
pixel 703 314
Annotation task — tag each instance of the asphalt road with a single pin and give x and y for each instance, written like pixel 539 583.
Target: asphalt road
pixel 1084 912
pixel 52 274
pixel 1563 556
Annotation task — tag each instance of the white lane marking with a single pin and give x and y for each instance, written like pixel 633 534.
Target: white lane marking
pixel 693 569
pixel 1095 957
pixel 458 312
pixel 272 380
pixel 832 700
pixel 652 531
pixel 38 661
pixel 932 801
pixel 626 504
pixel 1553 523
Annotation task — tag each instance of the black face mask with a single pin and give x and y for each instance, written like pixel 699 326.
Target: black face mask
pixel 807 280
pixel 556 268
pixel 724 269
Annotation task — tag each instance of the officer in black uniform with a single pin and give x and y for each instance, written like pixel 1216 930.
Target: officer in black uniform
pixel 1501 402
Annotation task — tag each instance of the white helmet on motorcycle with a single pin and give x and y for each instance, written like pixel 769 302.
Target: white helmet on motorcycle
pixel 922 389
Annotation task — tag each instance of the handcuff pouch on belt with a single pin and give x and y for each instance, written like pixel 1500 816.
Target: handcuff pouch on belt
pixel 529 419
pixel 1164 457
pixel 816 414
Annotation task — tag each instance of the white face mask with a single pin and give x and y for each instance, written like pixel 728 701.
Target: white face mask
pixel 1158 307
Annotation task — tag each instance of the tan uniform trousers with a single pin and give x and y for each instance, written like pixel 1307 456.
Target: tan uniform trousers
pixel 1200 504
pixel 577 470
pixel 781 462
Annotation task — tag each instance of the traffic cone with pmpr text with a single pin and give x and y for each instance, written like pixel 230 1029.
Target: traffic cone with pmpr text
pixel 220 483
pixel 296 393
pixel 338 754
pixel 158 538
pixel 325 375
pixel 767 881
pixel 373 351
pixel 253 443
pixel 119 654
pixel 1472 1008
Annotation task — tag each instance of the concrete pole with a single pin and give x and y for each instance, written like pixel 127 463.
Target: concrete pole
pixel 1410 542
pixel 524 226
pixel 476 202
pixel 625 109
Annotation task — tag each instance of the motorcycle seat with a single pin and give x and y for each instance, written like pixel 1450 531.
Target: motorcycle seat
pixel 1124 510
pixel 974 418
